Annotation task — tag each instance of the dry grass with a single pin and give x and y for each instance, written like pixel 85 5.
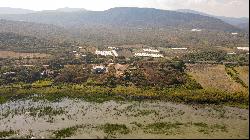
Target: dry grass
pixel 120 69
pixel 243 73
pixel 11 54
pixel 213 76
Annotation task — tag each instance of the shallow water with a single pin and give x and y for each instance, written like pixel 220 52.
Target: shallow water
pixel 27 123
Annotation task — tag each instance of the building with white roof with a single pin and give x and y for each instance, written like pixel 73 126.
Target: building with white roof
pixel 150 50
pixel 196 30
pixel 105 53
pixel 148 55
pixel 243 48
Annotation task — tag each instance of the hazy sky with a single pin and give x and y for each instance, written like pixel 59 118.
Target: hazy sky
pixel 232 8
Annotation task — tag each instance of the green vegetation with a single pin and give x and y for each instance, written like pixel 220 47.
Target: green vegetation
pixel 145 112
pixel 101 94
pixel 162 127
pixel 216 56
pixel 206 55
pixel 43 111
pixel 66 132
pixel 206 129
pixel 4 134
pixel 137 124
pixel 113 129
pixel 235 75
pixel 167 127
pixel 42 83
pixel 36 111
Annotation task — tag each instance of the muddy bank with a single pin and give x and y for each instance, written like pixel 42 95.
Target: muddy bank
pixel 112 119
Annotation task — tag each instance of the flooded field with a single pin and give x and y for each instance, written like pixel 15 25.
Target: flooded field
pixel 112 119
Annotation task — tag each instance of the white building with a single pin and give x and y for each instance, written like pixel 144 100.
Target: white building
pixel 196 30
pixel 115 53
pixel 150 50
pixel 113 48
pixel 105 53
pixel 234 33
pixel 178 48
pixel 99 69
pixel 243 48
pixel 148 55
pixel 231 53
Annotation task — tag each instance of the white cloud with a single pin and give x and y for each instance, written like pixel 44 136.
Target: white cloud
pixel 235 8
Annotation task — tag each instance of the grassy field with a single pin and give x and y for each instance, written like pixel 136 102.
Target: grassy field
pixel 243 73
pixel 11 54
pixel 215 76
pixel 122 93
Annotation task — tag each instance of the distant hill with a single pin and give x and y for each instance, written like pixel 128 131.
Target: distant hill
pixel 127 17
pixel 21 43
pixel 244 26
pixel 33 29
pixel 67 9
pixel 238 22
pixel 8 10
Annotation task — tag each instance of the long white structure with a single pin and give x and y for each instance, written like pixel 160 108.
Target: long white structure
pixel 231 53
pixel 115 53
pixel 148 55
pixel 150 50
pixel 196 30
pixel 105 53
pixel 178 48
pixel 243 48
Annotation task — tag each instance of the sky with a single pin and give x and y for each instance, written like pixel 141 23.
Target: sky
pixel 230 8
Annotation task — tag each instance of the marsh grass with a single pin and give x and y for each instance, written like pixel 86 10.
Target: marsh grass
pixel 233 73
pixel 162 127
pixel 207 129
pixel 101 94
pixel 66 132
pixel 4 134
pixel 113 129
pixel 137 124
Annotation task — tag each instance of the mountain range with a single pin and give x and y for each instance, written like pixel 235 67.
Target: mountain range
pixel 123 17
pixel 242 22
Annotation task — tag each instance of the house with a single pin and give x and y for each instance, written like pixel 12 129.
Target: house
pixel 47 72
pixel 115 53
pixel 99 69
pixel 9 73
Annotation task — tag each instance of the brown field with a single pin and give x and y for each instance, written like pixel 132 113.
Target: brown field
pixel 214 76
pixel 243 73
pixel 12 54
